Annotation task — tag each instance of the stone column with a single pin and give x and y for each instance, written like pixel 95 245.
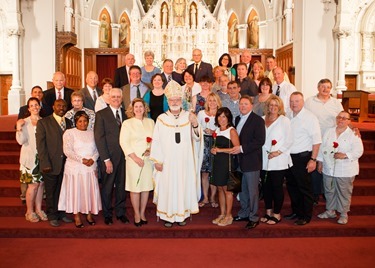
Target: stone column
pixel 288 24
pixel 16 96
pixel 68 15
pixel 242 35
pixel 367 50
pixel 115 35
pixel 341 35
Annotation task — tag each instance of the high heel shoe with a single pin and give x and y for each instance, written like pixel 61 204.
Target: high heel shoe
pixel 144 221
pixel 79 225
pixel 138 224
pixel 92 223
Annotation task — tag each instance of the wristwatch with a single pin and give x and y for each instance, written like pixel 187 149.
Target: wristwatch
pixel 313 159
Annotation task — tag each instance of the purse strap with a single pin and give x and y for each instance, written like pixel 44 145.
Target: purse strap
pixel 230 162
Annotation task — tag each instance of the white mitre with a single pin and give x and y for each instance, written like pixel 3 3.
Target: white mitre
pixel 173 90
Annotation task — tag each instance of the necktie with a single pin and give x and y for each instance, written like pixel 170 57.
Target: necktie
pixel 278 91
pixel 59 95
pixel 95 96
pixel 169 78
pixel 62 124
pixel 118 119
pixel 196 68
pixel 138 92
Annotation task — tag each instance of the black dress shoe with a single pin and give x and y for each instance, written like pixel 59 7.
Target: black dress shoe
pixel 123 219
pixel 301 222
pixel 144 222
pixel 66 219
pixel 238 218
pixel 251 224
pixel 291 216
pixel 108 220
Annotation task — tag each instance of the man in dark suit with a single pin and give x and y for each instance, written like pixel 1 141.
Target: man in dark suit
pixel 245 57
pixel 168 73
pixel 49 143
pixel 136 88
pixel 252 133
pixel 107 132
pixel 58 92
pixel 36 92
pixel 91 91
pixel 200 68
pixel 122 73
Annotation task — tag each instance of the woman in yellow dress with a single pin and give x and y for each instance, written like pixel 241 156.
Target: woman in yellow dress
pixel 135 140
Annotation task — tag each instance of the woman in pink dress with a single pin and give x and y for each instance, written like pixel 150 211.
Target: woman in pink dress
pixel 80 188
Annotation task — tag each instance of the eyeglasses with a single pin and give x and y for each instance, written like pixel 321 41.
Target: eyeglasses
pixel 342 118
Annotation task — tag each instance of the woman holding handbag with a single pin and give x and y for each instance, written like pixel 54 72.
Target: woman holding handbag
pixel 226 137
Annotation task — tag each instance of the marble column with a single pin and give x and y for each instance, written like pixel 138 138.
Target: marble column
pixel 242 35
pixel 16 96
pixel 68 15
pixel 367 50
pixel 288 26
pixel 341 36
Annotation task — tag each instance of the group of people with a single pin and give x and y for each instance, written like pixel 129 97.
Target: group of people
pixel 179 133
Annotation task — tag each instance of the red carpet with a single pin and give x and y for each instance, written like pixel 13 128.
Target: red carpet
pixel 287 252
pixel 322 243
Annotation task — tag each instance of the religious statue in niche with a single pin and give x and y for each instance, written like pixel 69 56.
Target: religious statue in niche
pixel 179 12
pixel 211 4
pixel 104 32
pixel 124 32
pixel 164 15
pixel 193 17
pixel 146 4
pixel 254 32
pixel 233 32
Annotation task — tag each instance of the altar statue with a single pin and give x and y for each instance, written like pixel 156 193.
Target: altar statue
pixel 179 12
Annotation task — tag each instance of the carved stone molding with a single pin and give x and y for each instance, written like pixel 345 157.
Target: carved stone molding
pixel 341 32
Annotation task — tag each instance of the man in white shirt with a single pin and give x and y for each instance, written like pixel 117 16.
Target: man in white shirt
pixel 282 88
pixel 305 148
pixel 325 108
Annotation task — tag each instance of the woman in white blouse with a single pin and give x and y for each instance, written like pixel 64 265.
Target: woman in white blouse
pixel 340 151
pixel 29 161
pixel 276 158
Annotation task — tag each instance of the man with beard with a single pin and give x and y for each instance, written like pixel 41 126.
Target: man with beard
pixel 177 150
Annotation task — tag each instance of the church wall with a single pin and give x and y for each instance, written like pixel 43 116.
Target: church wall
pixel 39 44
pixel 313 45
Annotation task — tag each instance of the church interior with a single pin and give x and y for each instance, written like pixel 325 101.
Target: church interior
pixel 311 40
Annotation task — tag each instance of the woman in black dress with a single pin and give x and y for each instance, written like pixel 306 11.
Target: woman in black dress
pixel 226 138
pixel 155 99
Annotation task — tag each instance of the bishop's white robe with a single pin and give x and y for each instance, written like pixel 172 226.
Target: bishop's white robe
pixel 178 187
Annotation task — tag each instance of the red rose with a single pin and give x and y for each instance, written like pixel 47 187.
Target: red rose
pixel 273 142
pixel 214 135
pixel 201 103
pixel 207 120
pixel 148 139
pixel 335 144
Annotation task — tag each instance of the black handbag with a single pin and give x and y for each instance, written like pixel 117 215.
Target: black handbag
pixel 234 180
